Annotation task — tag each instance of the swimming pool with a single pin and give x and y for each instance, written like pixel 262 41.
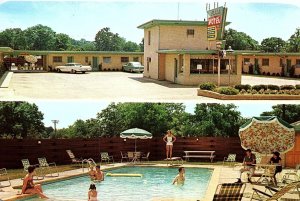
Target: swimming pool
pixel 155 183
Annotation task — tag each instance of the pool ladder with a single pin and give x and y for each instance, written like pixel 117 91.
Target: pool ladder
pixel 88 161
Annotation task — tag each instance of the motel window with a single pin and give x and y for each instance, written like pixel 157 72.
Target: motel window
pixel 107 60
pixel 70 59
pixel 265 62
pixel 148 63
pixel 149 37
pixel 124 59
pixel 57 59
pixel 190 32
pixel 246 61
pixel 136 59
pixel 86 59
pixel 297 61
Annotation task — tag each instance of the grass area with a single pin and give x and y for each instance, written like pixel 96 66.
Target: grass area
pixel 20 173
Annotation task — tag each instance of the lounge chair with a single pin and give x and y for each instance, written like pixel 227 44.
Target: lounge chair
pixel 268 176
pixel 124 156
pixel 277 194
pixel 6 182
pixel 230 159
pixel 292 175
pixel 106 158
pixel 130 155
pixel 229 191
pixel 145 157
pixel 26 164
pixel 48 167
pixel 73 158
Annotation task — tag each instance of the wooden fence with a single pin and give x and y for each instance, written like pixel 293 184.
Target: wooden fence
pixel 12 151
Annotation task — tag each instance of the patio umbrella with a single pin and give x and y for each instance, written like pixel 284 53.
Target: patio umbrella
pixel 136 133
pixel 267 134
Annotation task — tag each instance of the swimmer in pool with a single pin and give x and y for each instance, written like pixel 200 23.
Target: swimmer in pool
pixel 180 178
pixel 99 175
pixel 92 173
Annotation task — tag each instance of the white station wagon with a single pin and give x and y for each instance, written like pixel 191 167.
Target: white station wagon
pixel 73 68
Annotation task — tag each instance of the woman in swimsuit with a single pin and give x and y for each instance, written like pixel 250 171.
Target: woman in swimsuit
pixel 169 139
pixel 29 187
pixel 92 194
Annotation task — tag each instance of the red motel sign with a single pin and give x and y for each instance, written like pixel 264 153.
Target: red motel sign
pixel 214 21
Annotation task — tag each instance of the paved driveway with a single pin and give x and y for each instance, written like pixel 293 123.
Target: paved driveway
pixel 110 86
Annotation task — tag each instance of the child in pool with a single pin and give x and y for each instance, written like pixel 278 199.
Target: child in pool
pixel 92 173
pixel 92 194
pixel 180 178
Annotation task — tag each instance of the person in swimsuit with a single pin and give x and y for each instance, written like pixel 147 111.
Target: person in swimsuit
pixel 29 187
pixel 180 178
pixel 92 173
pixel 92 194
pixel 99 175
pixel 169 138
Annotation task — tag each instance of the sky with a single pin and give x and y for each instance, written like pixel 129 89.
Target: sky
pixel 83 19
pixel 67 112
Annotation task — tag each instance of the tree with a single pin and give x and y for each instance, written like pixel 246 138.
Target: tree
pixel 290 113
pixel 20 120
pixel 142 45
pixel 239 40
pixel 13 38
pixel 40 37
pixel 131 47
pixel 82 45
pixel 273 44
pixel 213 120
pixel 62 42
pixel 294 42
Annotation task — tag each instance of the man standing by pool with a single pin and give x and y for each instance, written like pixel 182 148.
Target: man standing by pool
pixel 99 175
pixel 248 163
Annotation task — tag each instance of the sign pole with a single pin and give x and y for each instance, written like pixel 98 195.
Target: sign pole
pixel 219 70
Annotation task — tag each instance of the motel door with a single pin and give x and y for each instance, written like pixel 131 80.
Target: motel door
pixel 95 64
pixel 288 65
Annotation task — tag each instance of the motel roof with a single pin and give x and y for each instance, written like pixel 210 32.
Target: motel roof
pixel 6 49
pixel 34 52
pixel 156 22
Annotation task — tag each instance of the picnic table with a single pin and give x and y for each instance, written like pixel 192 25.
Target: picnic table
pixel 199 154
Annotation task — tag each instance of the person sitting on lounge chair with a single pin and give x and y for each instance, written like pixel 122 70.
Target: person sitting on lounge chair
pixel 180 178
pixel 99 175
pixel 29 187
pixel 249 161
pixel 276 160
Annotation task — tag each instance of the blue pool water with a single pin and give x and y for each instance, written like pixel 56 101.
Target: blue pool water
pixel 155 183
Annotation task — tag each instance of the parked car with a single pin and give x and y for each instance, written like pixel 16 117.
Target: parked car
pixel 73 68
pixel 133 67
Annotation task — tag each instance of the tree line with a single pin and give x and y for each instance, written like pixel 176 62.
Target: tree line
pixel 41 37
pixel 242 41
pixel 24 120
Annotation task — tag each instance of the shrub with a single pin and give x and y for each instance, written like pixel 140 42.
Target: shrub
pixel 287 87
pixel 259 87
pixel 253 91
pixel 297 86
pixel 268 73
pixel 243 91
pixel 273 87
pixel 240 87
pixel 227 90
pixel 207 86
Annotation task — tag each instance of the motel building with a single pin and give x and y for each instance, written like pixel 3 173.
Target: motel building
pixel 173 49
pixel 14 60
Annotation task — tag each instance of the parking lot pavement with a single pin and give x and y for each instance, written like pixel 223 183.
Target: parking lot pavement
pixel 116 86
pixel 109 86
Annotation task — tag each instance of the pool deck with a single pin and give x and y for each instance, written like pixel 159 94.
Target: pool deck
pixel 221 174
